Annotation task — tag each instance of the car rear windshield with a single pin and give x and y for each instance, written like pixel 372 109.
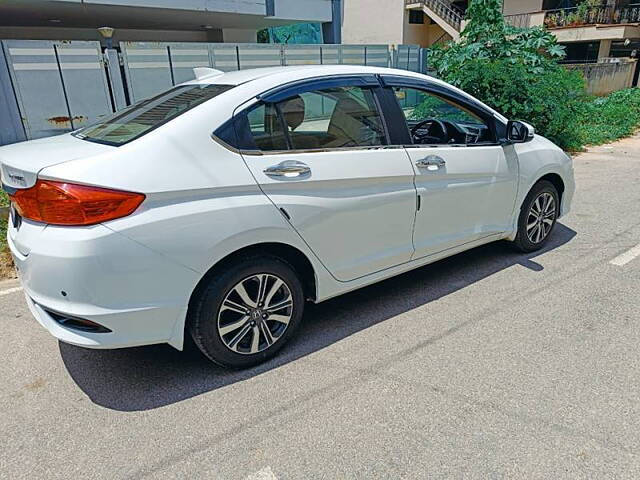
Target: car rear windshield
pixel 146 115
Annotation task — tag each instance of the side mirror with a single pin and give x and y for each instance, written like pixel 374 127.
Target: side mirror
pixel 519 132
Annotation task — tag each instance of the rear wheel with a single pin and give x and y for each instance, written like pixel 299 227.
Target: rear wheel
pixel 537 217
pixel 248 312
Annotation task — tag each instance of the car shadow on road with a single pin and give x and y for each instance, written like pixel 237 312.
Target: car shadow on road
pixel 145 378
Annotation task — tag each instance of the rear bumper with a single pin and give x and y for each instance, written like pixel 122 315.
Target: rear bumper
pixel 95 274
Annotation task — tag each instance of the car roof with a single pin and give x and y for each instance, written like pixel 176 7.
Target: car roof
pixel 238 77
pixel 280 75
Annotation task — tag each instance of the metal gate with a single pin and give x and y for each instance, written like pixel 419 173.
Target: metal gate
pixel 59 86
pixel 153 67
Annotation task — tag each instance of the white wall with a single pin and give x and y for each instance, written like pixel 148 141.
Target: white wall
pixel 61 33
pixel 317 10
pixel 239 35
pixel 513 7
pixel 424 35
pixel 373 21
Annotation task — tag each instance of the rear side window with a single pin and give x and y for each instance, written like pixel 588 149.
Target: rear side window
pixel 266 128
pixel 143 117
pixel 339 117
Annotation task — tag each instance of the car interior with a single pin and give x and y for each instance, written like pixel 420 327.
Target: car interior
pixel 348 117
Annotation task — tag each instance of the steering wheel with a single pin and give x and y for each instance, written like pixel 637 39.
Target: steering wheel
pixel 440 135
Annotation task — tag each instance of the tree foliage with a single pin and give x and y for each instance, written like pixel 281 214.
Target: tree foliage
pixel 487 36
pixel 515 71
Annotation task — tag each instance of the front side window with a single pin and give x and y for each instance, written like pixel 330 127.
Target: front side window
pixel 435 120
pixel 339 117
pixel 144 116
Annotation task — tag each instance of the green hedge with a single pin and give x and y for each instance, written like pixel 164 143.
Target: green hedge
pixel 552 99
pixel 605 119
pixel 4 200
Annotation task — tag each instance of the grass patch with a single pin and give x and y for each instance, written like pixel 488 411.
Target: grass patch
pixel 606 119
pixel 4 200
pixel 6 263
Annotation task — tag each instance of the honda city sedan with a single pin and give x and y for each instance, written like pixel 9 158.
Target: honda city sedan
pixel 218 208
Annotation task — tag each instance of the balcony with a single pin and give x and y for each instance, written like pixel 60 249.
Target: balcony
pixel 445 10
pixel 572 17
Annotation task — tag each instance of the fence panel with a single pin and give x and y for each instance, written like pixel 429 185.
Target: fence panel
pixel 259 55
pixel 62 85
pixel 84 81
pixel 59 86
pixel 331 54
pixel 147 68
pixel 185 57
pixel 224 56
pixel 353 54
pixel 377 55
pixel 302 54
pixel 408 58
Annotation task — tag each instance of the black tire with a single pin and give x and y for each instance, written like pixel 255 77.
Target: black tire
pixel 523 242
pixel 205 315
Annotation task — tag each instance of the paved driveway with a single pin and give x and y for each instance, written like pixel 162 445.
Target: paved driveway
pixel 488 364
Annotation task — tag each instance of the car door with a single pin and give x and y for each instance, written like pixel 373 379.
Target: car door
pixel 465 181
pixel 319 150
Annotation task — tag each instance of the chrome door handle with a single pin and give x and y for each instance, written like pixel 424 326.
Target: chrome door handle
pixel 288 169
pixel 431 161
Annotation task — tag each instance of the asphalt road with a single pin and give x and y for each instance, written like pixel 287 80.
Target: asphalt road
pixel 490 364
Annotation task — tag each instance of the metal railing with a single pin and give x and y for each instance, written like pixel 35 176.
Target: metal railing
pixel 444 9
pixel 520 20
pixel 572 17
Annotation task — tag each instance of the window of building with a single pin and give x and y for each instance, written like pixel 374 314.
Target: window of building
pixel 581 52
pixel 416 16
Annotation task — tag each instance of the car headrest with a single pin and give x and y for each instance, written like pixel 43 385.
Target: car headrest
pixel 293 111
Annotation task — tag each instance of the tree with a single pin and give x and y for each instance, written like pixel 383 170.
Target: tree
pixel 515 71
pixel 487 36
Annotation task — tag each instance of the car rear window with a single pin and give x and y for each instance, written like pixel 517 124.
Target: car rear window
pixel 144 116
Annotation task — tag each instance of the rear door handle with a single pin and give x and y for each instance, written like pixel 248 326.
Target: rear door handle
pixel 431 161
pixel 288 169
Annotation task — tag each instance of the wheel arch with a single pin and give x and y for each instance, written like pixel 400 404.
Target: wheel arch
pixel 292 255
pixel 555 179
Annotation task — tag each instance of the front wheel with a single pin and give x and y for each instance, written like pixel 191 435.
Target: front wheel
pixel 537 217
pixel 247 312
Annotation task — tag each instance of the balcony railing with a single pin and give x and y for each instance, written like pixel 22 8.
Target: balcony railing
pixel 572 17
pixel 444 9
pixel 520 20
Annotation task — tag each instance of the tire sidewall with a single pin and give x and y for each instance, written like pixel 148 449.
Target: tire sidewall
pixel 523 240
pixel 203 324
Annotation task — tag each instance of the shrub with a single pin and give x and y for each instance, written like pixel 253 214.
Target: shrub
pixel 608 118
pixel 551 99
pixel 4 200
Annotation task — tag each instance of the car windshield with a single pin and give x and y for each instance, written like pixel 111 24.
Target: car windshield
pixel 146 115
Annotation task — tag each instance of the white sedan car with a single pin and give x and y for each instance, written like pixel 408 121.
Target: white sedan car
pixel 219 207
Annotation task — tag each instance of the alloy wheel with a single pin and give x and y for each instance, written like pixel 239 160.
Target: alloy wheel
pixel 255 313
pixel 542 215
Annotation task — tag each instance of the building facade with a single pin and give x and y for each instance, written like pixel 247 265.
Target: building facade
pixel 602 40
pixel 609 30
pixel 162 20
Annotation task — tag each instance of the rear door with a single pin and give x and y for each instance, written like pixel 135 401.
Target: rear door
pixel 465 181
pixel 320 151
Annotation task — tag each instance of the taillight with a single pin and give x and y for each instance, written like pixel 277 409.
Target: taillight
pixel 60 203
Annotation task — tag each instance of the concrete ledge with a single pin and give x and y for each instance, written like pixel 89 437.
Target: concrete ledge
pixel 4 212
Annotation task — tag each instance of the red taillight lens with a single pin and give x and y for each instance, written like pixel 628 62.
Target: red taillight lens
pixel 59 203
